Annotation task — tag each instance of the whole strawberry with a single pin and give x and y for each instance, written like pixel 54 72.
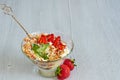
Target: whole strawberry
pixel 70 63
pixel 62 72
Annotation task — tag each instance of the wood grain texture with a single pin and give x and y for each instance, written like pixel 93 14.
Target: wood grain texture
pixel 93 25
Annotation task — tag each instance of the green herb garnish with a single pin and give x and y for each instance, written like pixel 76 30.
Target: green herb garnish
pixel 39 50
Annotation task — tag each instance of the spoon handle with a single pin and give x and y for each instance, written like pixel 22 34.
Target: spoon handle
pixel 7 10
pixel 20 25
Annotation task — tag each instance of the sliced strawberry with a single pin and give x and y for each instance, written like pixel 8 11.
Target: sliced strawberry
pixel 63 72
pixel 61 46
pixel 42 39
pixel 50 37
pixel 56 41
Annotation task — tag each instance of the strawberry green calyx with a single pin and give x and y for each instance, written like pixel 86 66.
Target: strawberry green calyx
pixel 73 61
pixel 57 72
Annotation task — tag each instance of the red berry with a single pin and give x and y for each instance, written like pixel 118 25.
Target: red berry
pixel 69 63
pixel 63 72
pixel 56 41
pixel 42 39
pixel 50 37
pixel 61 46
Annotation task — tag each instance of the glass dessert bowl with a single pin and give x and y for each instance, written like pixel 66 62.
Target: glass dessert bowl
pixel 47 50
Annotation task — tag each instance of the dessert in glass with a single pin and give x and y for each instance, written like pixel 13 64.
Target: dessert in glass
pixel 47 50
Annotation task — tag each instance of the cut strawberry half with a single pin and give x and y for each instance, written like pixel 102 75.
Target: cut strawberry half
pixel 56 42
pixel 61 46
pixel 42 39
pixel 50 37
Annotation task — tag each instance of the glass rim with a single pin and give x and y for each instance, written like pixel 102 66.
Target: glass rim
pixel 48 60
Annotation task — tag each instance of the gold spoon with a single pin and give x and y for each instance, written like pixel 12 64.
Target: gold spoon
pixel 8 10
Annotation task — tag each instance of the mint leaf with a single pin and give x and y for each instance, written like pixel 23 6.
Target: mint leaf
pixel 45 56
pixel 40 50
pixel 35 47
pixel 43 47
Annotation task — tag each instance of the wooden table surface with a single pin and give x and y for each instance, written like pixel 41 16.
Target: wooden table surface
pixel 94 26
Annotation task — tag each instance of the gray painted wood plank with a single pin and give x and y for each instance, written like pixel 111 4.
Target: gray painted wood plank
pixel 93 25
pixel 36 16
